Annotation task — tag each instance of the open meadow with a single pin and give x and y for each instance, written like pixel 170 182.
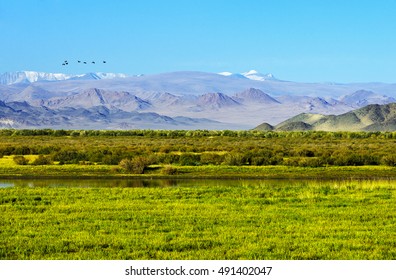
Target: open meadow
pixel 223 220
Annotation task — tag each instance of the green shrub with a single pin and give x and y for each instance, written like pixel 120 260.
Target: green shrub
pixel 189 159
pixel 389 160
pixel 212 158
pixel 168 158
pixel 42 160
pixel 126 164
pixel 235 159
pixel 111 159
pixel 20 160
pixel 169 170
pixel 22 150
pixel 69 156
pixel 135 165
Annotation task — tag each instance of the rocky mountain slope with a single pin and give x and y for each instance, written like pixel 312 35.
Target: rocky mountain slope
pixel 22 115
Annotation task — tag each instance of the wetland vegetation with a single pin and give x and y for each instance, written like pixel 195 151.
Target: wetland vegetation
pixel 195 153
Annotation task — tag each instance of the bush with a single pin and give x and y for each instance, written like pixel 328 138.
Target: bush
pixel 126 164
pixel 212 158
pixel 356 160
pixel 235 159
pixel 69 156
pixel 389 160
pixel 42 160
pixel 22 150
pixel 20 160
pixel 168 158
pixel 189 159
pixel 169 170
pixel 111 159
pixel 135 165
pixel 304 161
pixel 311 162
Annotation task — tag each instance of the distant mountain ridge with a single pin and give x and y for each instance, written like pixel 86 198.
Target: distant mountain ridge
pixel 204 100
pixel 251 75
pixel 253 95
pixel 216 101
pixel 22 115
pixel 369 118
pixel 255 75
pixel 362 98
pixel 10 78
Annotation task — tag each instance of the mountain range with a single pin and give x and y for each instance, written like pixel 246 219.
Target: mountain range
pixel 369 118
pixel 176 100
pixel 10 78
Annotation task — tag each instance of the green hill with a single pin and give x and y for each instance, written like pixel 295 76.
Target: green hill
pixel 265 127
pixel 369 118
pixel 294 126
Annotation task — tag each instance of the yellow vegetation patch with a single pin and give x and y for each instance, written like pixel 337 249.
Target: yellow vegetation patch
pixel 9 160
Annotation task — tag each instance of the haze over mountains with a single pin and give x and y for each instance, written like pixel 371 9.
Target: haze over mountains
pixel 177 100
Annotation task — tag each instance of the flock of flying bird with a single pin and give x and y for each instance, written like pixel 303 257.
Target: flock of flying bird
pixel 79 61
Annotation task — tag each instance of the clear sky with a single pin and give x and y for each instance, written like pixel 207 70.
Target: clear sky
pixel 298 40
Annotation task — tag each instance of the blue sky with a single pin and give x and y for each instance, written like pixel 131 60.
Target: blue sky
pixel 310 41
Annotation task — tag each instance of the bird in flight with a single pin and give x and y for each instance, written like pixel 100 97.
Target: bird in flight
pixel 66 62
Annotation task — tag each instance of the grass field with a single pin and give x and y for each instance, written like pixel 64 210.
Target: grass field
pixel 239 220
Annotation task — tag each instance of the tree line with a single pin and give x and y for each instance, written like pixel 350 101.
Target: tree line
pixel 200 133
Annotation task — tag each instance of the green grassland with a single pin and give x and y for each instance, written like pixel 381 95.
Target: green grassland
pixel 48 153
pixel 294 220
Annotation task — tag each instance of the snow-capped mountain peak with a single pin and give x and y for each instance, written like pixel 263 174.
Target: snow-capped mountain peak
pixel 226 73
pixel 10 78
pixel 251 75
pixel 255 75
pixel 251 72
pixel 102 75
